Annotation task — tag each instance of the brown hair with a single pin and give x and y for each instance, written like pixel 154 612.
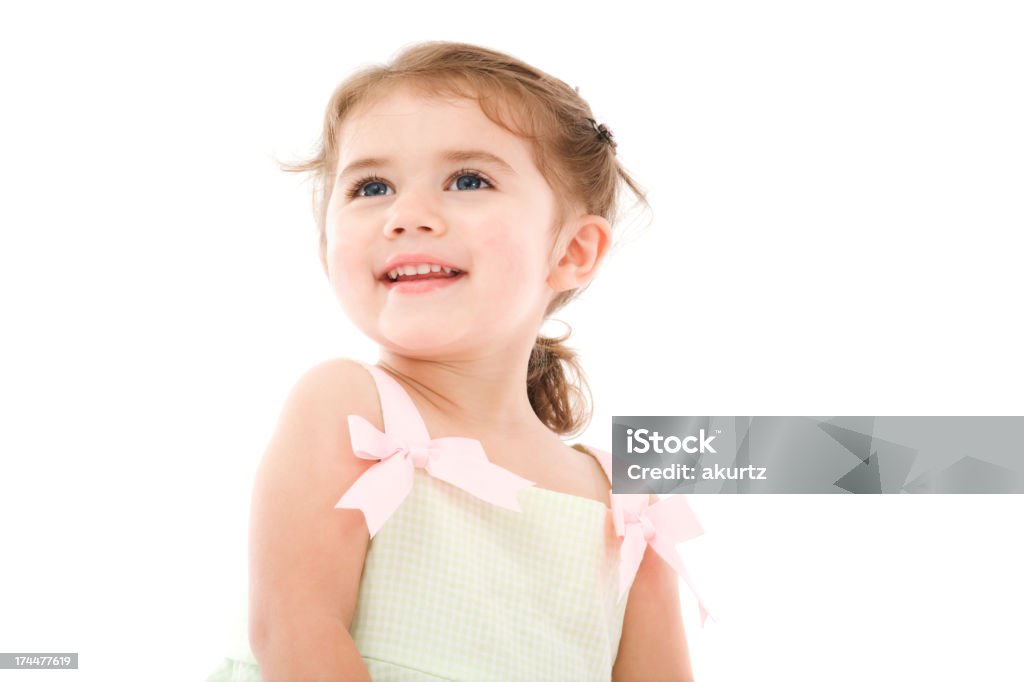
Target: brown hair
pixel 577 162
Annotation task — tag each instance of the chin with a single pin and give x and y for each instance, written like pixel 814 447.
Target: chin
pixel 419 339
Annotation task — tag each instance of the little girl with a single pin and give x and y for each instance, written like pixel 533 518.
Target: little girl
pixel 422 518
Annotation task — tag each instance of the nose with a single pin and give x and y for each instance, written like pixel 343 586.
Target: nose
pixel 413 211
pixel 396 228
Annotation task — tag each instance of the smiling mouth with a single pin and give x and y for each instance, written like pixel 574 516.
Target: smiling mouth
pixel 422 285
pixel 454 274
pixel 402 279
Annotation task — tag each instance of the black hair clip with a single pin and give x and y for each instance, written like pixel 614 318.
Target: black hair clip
pixel 604 131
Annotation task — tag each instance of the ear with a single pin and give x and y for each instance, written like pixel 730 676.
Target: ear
pixel 579 251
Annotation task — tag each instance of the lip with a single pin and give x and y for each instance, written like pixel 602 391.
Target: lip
pixel 422 286
pixel 413 259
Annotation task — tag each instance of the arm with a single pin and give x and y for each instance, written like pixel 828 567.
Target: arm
pixel 305 556
pixel 653 644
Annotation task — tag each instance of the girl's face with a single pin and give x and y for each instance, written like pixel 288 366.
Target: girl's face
pixel 439 179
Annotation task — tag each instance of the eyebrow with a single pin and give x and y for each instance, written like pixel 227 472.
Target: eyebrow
pixel 449 155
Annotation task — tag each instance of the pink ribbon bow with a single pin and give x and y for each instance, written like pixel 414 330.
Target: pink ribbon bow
pixel 459 461
pixel 662 525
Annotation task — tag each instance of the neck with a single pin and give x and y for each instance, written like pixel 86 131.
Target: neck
pixel 485 393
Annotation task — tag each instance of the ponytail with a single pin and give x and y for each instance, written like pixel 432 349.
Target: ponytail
pixel 563 405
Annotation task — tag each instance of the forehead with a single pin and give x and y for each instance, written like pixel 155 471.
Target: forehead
pixel 407 126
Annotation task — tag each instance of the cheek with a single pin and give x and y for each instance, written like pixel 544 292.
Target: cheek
pixel 517 259
pixel 339 255
pixel 347 268
pixel 344 251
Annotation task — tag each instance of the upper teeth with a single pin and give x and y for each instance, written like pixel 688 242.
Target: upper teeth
pixel 419 269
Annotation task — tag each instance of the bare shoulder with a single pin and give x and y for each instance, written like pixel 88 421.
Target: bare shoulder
pixel 590 472
pixel 312 429
pixel 306 556
pixel 337 383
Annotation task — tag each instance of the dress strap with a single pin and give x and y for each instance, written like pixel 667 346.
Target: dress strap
pixel 405 447
pixel 671 520
pixel 605 458
pixel 401 418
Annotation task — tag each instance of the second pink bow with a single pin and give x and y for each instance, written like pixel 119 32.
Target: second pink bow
pixel 662 525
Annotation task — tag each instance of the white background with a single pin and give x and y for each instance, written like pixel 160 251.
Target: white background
pixel 836 230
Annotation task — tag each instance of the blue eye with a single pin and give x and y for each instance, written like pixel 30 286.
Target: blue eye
pixel 378 186
pixel 369 181
pixel 476 178
pixel 381 188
